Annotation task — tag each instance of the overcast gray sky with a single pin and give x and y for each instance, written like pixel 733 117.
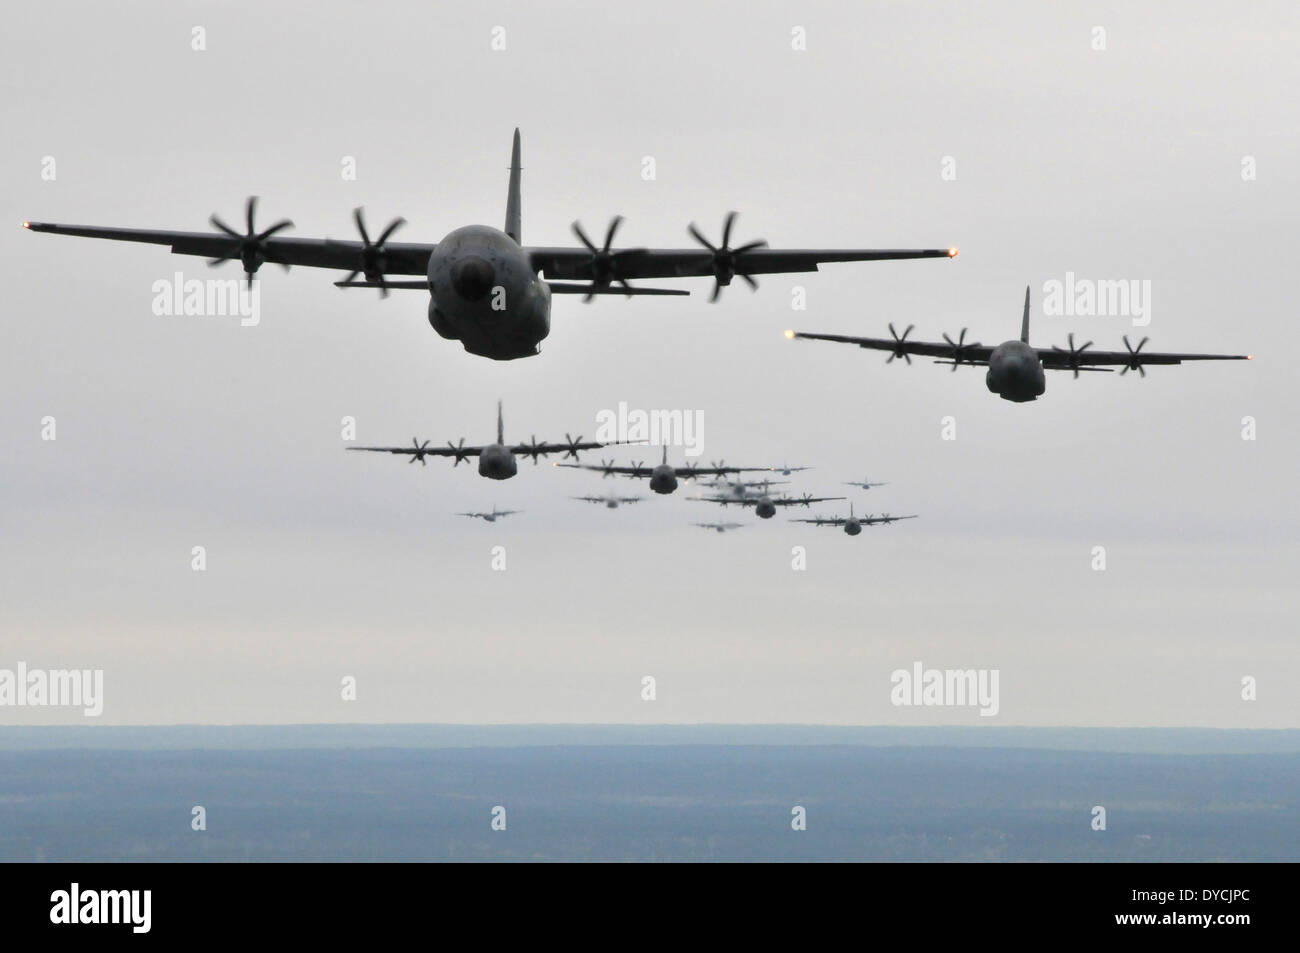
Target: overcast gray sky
pixel 1122 163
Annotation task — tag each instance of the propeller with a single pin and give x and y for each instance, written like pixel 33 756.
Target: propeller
pixel 718 464
pixel 690 471
pixel 604 263
pixel 573 442
pixel 250 248
pixel 374 261
pixel 726 259
pixel 533 449
pixel 1072 360
pixel 960 349
pixel 1134 362
pixel 608 467
pixel 898 344
pixel 420 448
pixel 459 452
pixel 806 499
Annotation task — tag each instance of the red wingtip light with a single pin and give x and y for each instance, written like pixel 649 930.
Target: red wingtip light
pixel 952 253
pixel 27 224
pixel 789 335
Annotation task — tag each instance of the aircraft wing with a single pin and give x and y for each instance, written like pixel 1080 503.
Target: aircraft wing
pixel 400 258
pixel 823 520
pixel 421 452
pixel 536 450
pixel 577 262
pixel 691 471
pixel 608 470
pixel 872 520
pixel 901 347
pixel 1061 359
pixel 803 500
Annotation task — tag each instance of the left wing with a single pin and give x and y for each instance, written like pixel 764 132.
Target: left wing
pixel 1131 358
pixel 803 500
pixel 605 265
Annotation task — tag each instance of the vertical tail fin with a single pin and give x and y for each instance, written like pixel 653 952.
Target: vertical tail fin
pixel 665 453
pixel 512 198
pixel 501 426
pixel 1024 321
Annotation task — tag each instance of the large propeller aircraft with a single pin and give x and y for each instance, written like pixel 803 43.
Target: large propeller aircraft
pixel 1015 369
pixel 496 461
pixel 863 484
pixel 721 527
pixel 853 524
pixel 663 478
pixel 491 517
pixel 765 504
pixel 487 289
pixel 612 502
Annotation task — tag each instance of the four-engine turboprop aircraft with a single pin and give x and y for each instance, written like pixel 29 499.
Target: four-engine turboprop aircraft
pixel 612 502
pixel 663 478
pixel 764 504
pixel 863 484
pixel 491 517
pixel 496 461
pixel 487 289
pixel 853 524
pixel 720 527
pixel 1015 369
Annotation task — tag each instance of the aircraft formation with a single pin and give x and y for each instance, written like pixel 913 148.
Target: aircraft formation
pixel 499 461
pixel 492 293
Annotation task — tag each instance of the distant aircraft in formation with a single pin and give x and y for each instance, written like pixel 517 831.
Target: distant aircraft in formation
pixel 786 470
pixel 765 504
pixel 611 501
pixel 496 461
pixel 1015 369
pixel 721 527
pixel 863 484
pixel 853 524
pixel 491 517
pixel 663 478
pixel 486 289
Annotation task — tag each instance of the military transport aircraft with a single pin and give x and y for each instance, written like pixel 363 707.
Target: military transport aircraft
pixel 663 478
pixel 864 484
pixel 787 469
pixel 612 501
pixel 496 461
pixel 742 488
pixel 720 527
pixel 764 504
pixel 491 517
pixel 487 289
pixel 1015 369
pixel 853 524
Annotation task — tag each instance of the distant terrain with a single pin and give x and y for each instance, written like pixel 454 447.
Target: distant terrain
pixel 297 796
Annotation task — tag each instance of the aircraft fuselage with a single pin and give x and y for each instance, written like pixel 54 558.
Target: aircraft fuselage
pixel 485 294
pixel 1015 372
pixel 497 463
pixel 663 479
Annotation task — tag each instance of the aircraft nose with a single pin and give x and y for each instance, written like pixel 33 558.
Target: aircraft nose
pixel 472 277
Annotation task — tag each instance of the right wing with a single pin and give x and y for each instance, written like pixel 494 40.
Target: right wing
pixel 899 346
